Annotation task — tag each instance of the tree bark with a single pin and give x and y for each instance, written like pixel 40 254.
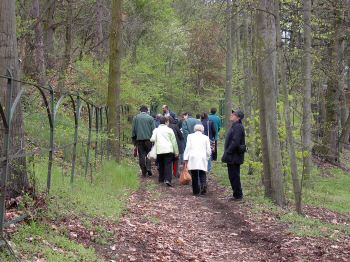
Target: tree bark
pixel 113 99
pixel 17 176
pixel 99 31
pixel 229 64
pixel 39 45
pixel 287 110
pixel 267 65
pixel 331 148
pixel 67 46
pixel 307 113
pixel 49 31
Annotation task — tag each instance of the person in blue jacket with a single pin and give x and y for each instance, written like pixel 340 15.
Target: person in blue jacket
pixel 217 124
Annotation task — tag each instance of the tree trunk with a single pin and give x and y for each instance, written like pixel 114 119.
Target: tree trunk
pixel 67 46
pixel 49 31
pixel 247 68
pixel 39 45
pixel 307 113
pixel 113 100
pixel 267 65
pixel 99 31
pixel 229 65
pixel 330 148
pixel 287 110
pixel 17 176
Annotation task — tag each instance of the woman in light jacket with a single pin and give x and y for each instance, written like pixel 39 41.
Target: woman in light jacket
pixel 166 148
pixel 196 156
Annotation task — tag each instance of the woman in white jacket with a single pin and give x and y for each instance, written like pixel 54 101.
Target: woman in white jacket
pixel 196 156
pixel 166 148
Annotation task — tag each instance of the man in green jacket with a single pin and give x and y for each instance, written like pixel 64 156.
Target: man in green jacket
pixel 142 128
pixel 217 124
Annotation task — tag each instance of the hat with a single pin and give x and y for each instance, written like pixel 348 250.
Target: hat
pixel 238 113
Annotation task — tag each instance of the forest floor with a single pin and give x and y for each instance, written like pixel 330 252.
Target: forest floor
pixel 170 224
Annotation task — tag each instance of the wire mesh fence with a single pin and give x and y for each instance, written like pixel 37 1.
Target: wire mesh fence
pixel 82 141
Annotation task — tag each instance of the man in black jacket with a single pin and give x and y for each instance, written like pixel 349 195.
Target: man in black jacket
pixel 234 153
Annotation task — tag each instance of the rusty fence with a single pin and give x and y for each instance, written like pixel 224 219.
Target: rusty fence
pixel 97 121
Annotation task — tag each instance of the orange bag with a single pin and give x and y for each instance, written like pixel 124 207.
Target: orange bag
pixel 185 177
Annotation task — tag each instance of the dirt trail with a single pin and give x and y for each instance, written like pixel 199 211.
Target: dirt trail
pixel 169 224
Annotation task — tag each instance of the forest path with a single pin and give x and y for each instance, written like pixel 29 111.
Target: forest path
pixel 170 224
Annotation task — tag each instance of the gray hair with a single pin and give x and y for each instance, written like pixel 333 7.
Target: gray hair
pixel 198 127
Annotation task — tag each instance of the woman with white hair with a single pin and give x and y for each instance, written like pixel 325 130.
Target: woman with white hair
pixel 196 156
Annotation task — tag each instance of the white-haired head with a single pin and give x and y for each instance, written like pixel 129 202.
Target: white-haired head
pixel 198 127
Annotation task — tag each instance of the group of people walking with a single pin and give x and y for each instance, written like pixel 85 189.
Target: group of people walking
pixel 189 143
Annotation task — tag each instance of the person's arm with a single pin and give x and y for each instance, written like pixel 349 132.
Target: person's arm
pixel 187 149
pixel 185 129
pixel 213 130
pixel 134 134
pixel 173 142
pixel 153 138
pixel 234 140
pixel 208 149
pixel 219 124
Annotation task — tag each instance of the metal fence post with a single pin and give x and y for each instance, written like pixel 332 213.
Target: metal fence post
pixel 102 132
pixel 52 128
pixel 76 107
pixel 5 164
pixel 87 160
pixel 97 130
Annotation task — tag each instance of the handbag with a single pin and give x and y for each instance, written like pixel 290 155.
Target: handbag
pixel 212 142
pixel 185 177
pixel 152 155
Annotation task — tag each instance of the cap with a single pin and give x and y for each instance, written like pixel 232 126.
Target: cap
pixel 238 113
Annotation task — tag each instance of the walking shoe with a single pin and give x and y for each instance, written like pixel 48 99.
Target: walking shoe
pixel 168 183
pixel 204 190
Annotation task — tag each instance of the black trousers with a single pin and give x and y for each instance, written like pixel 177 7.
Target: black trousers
pixel 199 180
pixel 214 155
pixel 165 162
pixel 143 147
pixel 235 179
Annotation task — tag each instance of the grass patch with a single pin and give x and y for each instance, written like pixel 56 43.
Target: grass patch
pixel 310 227
pixel 330 192
pixel 104 198
pixel 37 241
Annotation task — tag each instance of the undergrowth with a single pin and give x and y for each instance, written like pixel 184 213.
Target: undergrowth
pixel 329 191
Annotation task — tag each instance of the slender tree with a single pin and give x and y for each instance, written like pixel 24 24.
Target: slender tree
pixel 287 111
pixel 266 37
pixel 113 99
pixel 229 64
pixel 307 114
pixel 40 62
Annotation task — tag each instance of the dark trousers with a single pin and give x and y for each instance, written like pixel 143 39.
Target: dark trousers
pixel 214 155
pixel 235 179
pixel 199 180
pixel 165 162
pixel 143 147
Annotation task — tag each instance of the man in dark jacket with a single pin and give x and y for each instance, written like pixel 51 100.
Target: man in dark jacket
pixel 142 128
pixel 234 153
pixel 167 112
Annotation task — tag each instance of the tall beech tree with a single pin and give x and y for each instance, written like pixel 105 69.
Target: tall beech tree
pixel 113 98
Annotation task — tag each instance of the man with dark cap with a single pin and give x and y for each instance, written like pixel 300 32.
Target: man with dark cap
pixel 234 153
pixel 142 128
